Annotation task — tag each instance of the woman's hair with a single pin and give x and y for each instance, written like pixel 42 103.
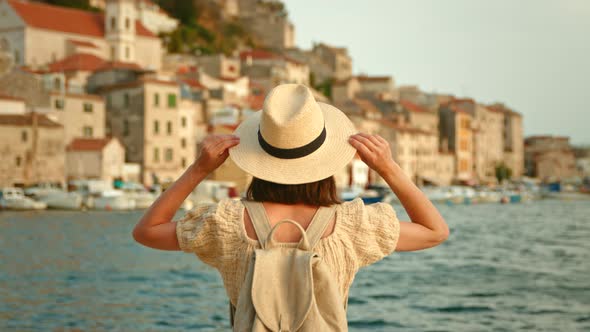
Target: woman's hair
pixel 321 192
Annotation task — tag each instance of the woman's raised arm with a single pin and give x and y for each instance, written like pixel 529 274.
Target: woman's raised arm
pixel 154 229
pixel 428 228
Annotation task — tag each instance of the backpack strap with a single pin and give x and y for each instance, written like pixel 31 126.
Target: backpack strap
pixel 318 224
pixel 259 220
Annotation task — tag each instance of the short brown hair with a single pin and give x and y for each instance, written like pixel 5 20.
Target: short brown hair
pixel 322 193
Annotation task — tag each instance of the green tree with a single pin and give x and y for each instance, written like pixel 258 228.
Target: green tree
pixel 503 172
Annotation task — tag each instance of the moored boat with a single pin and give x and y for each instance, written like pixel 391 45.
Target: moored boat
pixel 12 198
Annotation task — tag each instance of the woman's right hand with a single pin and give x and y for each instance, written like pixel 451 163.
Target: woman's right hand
pixel 374 151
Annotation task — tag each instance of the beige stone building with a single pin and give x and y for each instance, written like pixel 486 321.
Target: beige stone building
pixel 513 139
pixel 415 116
pixel 153 124
pixel 81 115
pixel 268 22
pixel 12 105
pixel 326 63
pixel 380 87
pixel 488 142
pixel 270 69
pixel 550 158
pixel 456 137
pixel 32 148
pixel 95 158
pixel 417 152
pixel 219 65
pixel 38 34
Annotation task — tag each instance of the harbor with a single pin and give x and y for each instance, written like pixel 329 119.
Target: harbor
pixel 82 271
pixel 100 195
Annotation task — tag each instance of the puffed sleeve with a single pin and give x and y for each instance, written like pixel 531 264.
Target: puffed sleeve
pixel 201 232
pixel 375 231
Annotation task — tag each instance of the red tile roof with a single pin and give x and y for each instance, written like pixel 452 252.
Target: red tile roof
pixel 25 120
pixel 63 19
pixel 193 83
pixel 266 55
pixel 78 61
pixel 411 106
pixel 7 97
pixel 88 62
pixel 82 43
pixel 88 144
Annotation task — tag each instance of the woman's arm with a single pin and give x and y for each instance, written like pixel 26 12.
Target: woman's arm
pixel 154 229
pixel 428 228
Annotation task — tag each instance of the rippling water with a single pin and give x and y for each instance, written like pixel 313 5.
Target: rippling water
pixel 504 268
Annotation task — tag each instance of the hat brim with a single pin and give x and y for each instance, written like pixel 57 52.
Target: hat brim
pixel 333 155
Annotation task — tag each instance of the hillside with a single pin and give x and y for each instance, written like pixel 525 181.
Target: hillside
pixel 202 29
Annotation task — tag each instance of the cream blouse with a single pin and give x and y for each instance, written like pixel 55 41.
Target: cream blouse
pixel 215 232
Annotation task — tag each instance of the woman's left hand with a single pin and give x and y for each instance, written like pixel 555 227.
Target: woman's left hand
pixel 214 151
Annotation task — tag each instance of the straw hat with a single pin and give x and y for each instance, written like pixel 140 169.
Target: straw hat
pixel 294 139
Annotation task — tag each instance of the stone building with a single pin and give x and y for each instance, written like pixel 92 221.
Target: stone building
pixel 380 87
pixel 95 158
pixel 326 63
pixel 219 65
pixel 268 22
pixel 513 139
pixel 81 115
pixel 32 148
pixel 37 34
pixel 456 137
pixel 12 105
pixel 550 158
pixel 269 69
pixel 147 116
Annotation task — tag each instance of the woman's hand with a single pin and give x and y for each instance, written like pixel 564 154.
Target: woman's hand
pixel 214 151
pixel 374 151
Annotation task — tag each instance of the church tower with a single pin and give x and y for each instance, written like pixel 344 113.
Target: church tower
pixel 120 17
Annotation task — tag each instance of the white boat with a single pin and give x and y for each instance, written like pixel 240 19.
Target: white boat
pixel 14 199
pixel 135 191
pixel 111 200
pixel 62 200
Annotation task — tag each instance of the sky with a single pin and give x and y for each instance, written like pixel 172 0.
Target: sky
pixel 532 55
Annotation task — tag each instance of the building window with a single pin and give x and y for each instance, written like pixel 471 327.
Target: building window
pixel 4 45
pixel 183 121
pixel 87 131
pixel 127 25
pixel 168 154
pixel 169 127
pixel 16 57
pixel 59 104
pixel 183 161
pixel 113 53
pixel 24 136
pixel 156 99
pixel 171 100
pixel 183 142
pixel 127 52
pixel 18 161
pixel 156 155
pixel 57 84
pixel 126 100
pixel 125 127
pixel 88 107
pixel 156 127
pixel 113 23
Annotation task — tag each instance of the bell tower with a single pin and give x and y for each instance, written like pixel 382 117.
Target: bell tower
pixel 120 17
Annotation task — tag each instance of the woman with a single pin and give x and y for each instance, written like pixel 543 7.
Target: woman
pixel 293 147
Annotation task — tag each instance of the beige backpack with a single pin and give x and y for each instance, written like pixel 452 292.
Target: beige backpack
pixel 288 288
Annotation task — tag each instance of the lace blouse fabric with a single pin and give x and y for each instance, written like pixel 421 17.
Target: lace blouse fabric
pixel 215 232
